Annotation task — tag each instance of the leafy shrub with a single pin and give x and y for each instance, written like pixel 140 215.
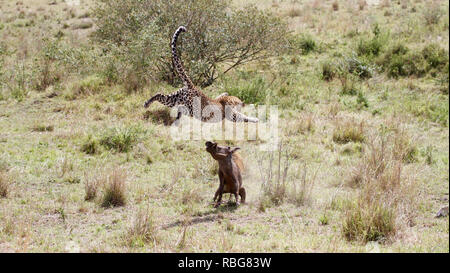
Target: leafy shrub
pixel 435 56
pixel 217 33
pixel 57 59
pixel 399 61
pixel 374 46
pixel 370 47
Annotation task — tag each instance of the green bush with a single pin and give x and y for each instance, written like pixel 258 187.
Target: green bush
pixel 374 46
pixel 137 34
pixel 120 139
pixel 399 61
pixel 435 56
pixel 370 47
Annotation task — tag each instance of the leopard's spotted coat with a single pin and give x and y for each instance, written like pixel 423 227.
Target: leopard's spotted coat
pixel 191 101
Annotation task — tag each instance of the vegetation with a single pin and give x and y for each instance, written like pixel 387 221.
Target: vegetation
pixel 227 36
pixel 362 96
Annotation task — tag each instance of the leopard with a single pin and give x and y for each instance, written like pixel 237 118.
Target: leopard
pixel 191 101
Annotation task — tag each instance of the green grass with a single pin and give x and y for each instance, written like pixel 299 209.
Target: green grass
pixel 82 156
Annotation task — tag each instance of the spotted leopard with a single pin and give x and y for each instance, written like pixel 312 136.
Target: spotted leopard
pixel 192 102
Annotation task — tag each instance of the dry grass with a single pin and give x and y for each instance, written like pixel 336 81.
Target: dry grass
pixel 355 182
pixel 91 188
pixel 83 25
pixel 362 4
pixel 348 131
pixel 273 171
pixel 301 193
pixel 143 229
pixel 114 194
pixel 294 12
pixel 387 199
pixel 4 184
pixel 335 5
pixel 43 128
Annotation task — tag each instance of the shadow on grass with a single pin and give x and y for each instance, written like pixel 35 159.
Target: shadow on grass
pixel 159 116
pixel 204 217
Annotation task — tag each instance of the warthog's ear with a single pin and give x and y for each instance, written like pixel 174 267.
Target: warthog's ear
pixel 232 150
pixel 209 144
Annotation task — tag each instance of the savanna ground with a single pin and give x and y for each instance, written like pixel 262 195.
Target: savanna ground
pixel 84 167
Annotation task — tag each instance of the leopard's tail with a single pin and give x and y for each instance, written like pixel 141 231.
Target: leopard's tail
pixel 177 61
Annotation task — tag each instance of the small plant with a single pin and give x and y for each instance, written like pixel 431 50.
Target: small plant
pixel 436 57
pixel 428 153
pixel 323 220
pixel 120 139
pixel 274 187
pixel 91 188
pixel 432 14
pixel 90 145
pixel 83 25
pixel 90 85
pixel 328 71
pixel 362 100
pixel 294 12
pixel 370 47
pixel 254 91
pixel 335 5
pixel 307 44
pixel 404 149
pixel 302 195
pixel 4 184
pixel 143 229
pixel 349 131
pixel 368 222
pixel 43 128
pixel 359 67
pixel 115 190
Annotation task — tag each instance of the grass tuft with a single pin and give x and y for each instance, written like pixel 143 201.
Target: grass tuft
pixel 143 229
pixel 348 131
pixel 4 184
pixel 115 190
